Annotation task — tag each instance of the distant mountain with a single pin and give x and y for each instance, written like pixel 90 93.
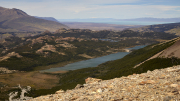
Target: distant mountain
pixel 99 26
pixel 13 20
pixel 153 19
pixel 87 20
pixel 173 28
pixel 111 19
pixel 47 18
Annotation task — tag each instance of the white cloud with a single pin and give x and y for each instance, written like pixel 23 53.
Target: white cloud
pixel 93 8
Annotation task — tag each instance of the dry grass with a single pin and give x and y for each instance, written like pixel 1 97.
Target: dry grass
pixel 86 56
pixel 57 72
pixel 161 40
pixel 33 79
pixel 174 30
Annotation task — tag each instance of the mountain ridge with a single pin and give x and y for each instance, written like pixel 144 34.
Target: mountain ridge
pixel 13 20
pixel 47 18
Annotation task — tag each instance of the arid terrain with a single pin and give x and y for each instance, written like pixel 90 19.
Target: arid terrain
pixel 34 79
pixel 99 26
pixel 29 44
pixel 157 85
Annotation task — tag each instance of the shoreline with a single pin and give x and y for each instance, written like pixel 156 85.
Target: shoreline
pixel 62 64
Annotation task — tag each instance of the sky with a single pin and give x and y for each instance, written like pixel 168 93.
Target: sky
pixel 83 9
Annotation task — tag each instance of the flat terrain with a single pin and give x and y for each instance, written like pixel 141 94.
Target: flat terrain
pixel 98 26
pixel 34 79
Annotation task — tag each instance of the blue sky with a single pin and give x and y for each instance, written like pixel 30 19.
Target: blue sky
pixel 82 9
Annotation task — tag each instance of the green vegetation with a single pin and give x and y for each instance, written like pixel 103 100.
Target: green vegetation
pixel 5 95
pixel 46 49
pixel 31 59
pixel 112 69
pixel 157 63
pixel 115 35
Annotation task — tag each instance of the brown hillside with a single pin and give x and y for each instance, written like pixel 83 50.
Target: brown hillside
pixel 172 28
pixel 172 51
pixel 17 20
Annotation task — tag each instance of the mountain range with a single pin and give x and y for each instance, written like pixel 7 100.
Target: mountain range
pixel 15 20
pixel 146 19
pixel 153 19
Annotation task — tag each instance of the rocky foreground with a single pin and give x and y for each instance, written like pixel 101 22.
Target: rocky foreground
pixel 157 85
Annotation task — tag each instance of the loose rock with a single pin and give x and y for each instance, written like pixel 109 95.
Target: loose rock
pixel 157 85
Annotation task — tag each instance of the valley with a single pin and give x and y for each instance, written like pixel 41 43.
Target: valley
pixel 46 50
pixel 30 44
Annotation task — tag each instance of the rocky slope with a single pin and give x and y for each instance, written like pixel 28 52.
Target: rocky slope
pixel 157 85
pixel 13 20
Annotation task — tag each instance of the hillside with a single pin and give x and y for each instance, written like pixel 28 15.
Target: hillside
pixel 68 45
pixel 47 18
pixel 13 20
pixel 172 28
pixel 113 69
pixel 156 85
pixel 29 54
pixel 172 51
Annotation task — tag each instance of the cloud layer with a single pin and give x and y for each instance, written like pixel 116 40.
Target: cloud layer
pixel 119 9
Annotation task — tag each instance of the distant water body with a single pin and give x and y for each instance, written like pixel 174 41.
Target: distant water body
pixel 124 22
pixel 132 22
pixel 92 62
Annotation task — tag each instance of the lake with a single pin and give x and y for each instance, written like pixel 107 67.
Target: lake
pixel 118 22
pixel 132 22
pixel 92 62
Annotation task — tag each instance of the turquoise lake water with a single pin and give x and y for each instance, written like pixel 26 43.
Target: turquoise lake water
pixel 92 62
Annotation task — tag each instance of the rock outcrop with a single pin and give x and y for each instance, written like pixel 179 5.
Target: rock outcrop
pixel 4 70
pixel 22 96
pixel 10 55
pixel 157 85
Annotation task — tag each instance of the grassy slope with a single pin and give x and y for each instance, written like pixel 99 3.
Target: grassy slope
pixel 174 30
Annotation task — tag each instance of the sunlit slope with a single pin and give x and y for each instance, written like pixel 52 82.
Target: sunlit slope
pixel 17 20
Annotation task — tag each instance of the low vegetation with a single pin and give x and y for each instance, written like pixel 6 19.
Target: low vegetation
pixel 113 69
pixel 51 49
pixel 9 82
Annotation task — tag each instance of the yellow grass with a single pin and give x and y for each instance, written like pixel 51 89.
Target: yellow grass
pixel 33 79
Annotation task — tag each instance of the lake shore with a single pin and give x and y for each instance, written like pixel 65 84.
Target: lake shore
pixel 61 64
pixel 90 62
